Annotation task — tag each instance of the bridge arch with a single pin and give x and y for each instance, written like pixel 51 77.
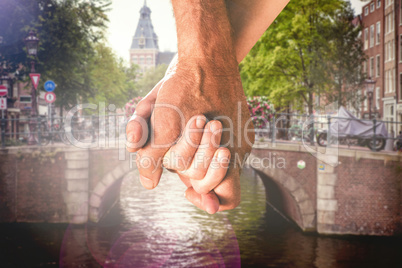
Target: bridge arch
pixel 299 205
pixel 107 192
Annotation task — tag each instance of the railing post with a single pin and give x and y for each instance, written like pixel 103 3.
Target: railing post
pixel 374 130
pixel 274 129
pixel 329 131
pixel 312 130
pixel 3 132
pixel 51 125
pixel 38 129
pixel 92 127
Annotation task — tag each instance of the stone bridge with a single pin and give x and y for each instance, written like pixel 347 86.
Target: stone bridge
pixel 330 192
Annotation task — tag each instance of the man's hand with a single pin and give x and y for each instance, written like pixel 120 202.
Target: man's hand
pixel 182 95
pixel 200 45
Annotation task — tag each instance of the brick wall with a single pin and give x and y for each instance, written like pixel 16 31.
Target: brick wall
pixel 369 197
pixel 30 186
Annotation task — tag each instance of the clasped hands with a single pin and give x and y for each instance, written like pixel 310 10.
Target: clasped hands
pixel 197 125
pixel 196 122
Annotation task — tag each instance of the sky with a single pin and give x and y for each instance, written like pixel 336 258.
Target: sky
pixel 124 16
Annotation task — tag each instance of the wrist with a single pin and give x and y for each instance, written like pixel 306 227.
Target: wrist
pixel 206 66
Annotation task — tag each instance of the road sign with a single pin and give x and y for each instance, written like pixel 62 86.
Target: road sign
pixel 50 97
pixel 35 79
pixel 49 85
pixel 3 90
pixel 3 103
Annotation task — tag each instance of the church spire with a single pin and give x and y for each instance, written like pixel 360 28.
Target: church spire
pixel 145 3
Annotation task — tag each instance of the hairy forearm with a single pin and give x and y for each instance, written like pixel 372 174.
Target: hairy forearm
pixel 249 20
pixel 204 32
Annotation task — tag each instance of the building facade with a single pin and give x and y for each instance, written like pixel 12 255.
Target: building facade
pixel 144 50
pixel 381 36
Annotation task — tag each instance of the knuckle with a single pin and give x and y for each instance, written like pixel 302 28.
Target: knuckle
pixel 201 189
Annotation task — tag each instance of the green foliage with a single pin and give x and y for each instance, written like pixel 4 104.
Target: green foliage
pixel 111 82
pixel 294 60
pixel 150 78
pixel 67 30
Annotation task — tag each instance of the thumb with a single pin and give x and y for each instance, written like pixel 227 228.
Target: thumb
pixel 137 127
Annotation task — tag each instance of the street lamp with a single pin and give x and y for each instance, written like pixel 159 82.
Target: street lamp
pixel 32 42
pixel 370 90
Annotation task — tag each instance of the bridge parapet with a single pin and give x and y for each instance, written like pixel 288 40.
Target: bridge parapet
pixel 361 194
pixel 352 191
pixel 59 184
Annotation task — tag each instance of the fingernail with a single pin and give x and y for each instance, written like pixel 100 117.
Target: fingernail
pixel 212 209
pixel 200 122
pixel 215 126
pixel 222 155
pixel 131 138
pixel 147 183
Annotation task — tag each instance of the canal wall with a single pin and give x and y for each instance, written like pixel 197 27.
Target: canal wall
pixel 59 184
pixel 349 191
pixel 360 194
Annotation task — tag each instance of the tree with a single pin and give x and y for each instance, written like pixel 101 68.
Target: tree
pixel 67 31
pixel 347 57
pixel 293 61
pixel 111 82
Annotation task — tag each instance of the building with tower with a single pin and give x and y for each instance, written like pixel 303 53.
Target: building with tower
pixel 144 49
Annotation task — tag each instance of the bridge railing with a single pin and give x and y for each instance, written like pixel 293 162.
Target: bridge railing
pixel 43 130
pixel 291 127
pixel 283 127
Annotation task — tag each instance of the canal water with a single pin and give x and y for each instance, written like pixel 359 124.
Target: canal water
pixel 160 228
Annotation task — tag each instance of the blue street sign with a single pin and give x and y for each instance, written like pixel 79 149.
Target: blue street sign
pixel 50 85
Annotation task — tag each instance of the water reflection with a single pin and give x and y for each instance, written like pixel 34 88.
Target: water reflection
pixel 159 228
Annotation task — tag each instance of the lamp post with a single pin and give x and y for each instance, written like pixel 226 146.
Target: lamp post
pixel 32 42
pixel 370 90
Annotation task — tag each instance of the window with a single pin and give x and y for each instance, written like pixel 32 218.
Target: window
pixel 365 67
pixel 390 81
pixel 386 24
pixel 388 2
pixel 377 98
pixel 386 52
pixel 400 84
pixel 393 80
pixel 149 60
pixel 400 15
pixel 134 59
pixel 25 99
pixel 371 67
pixel 389 22
pixel 365 11
pixel 378 3
pixel 378 66
pixel 393 49
pixel 389 50
pixel 365 103
pixel 386 81
pixel 372 7
pixel 378 33
pixel 141 60
pixel 366 38
pixel 371 35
